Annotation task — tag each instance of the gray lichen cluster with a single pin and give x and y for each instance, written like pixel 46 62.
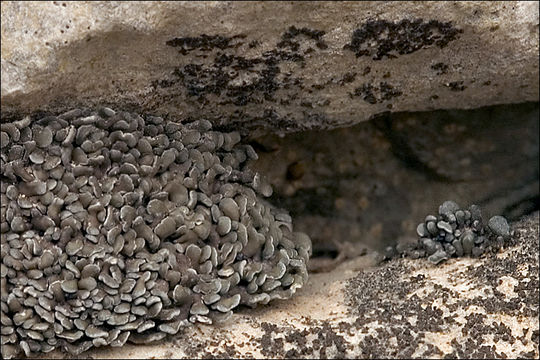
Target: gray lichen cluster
pixel 458 232
pixel 118 228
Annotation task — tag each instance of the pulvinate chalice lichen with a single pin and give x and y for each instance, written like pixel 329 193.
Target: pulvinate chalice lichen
pixel 459 232
pixel 117 227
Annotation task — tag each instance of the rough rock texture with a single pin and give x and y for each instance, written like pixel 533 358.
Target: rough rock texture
pixel 375 181
pixel 465 308
pixel 316 65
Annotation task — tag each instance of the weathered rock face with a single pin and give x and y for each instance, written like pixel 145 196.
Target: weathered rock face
pixel 375 181
pixel 316 65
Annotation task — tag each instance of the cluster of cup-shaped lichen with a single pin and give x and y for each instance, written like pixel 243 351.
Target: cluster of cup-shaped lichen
pixel 459 232
pixel 117 227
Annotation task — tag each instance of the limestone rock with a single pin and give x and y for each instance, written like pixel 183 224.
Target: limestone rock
pixel 280 66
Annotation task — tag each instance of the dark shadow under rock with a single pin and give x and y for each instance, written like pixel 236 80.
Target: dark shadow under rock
pixel 373 182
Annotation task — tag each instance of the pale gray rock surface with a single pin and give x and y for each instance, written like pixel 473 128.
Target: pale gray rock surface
pixel 281 66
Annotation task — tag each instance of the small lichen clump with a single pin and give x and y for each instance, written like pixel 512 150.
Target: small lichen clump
pixel 116 227
pixel 458 232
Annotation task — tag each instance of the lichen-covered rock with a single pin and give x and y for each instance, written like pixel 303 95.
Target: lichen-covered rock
pixel 129 228
pixel 478 308
pixel 483 307
pixel 281 66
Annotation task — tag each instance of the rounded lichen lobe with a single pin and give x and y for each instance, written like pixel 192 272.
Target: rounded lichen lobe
pixel 456 232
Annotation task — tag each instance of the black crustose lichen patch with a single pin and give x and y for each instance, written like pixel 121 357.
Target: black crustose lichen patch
pixel 204 42
pixel 380 38
pixel 240 80
pixel 373 94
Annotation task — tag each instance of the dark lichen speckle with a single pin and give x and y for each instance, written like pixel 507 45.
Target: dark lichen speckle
pixel 440 68
pixel 382 38
pixel 376 94
pixel 256 77
pixel 455 86
pixel 204 42
pixel 240 80
pixel 348 77
pixel 287 38
pixel 325 341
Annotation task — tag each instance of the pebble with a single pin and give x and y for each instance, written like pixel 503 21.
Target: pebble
pixel 37 157
pixel 95 332
pixel 467 241
pixel 4 139
pixel 88 283
pixel 18 224
pixel 432 227
pixel 165 228
pixel 223 225
pixel 227 304
pixel 199 308
pixel 230 208
pixel 69 286
pixel 458 246
pixel 421 230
